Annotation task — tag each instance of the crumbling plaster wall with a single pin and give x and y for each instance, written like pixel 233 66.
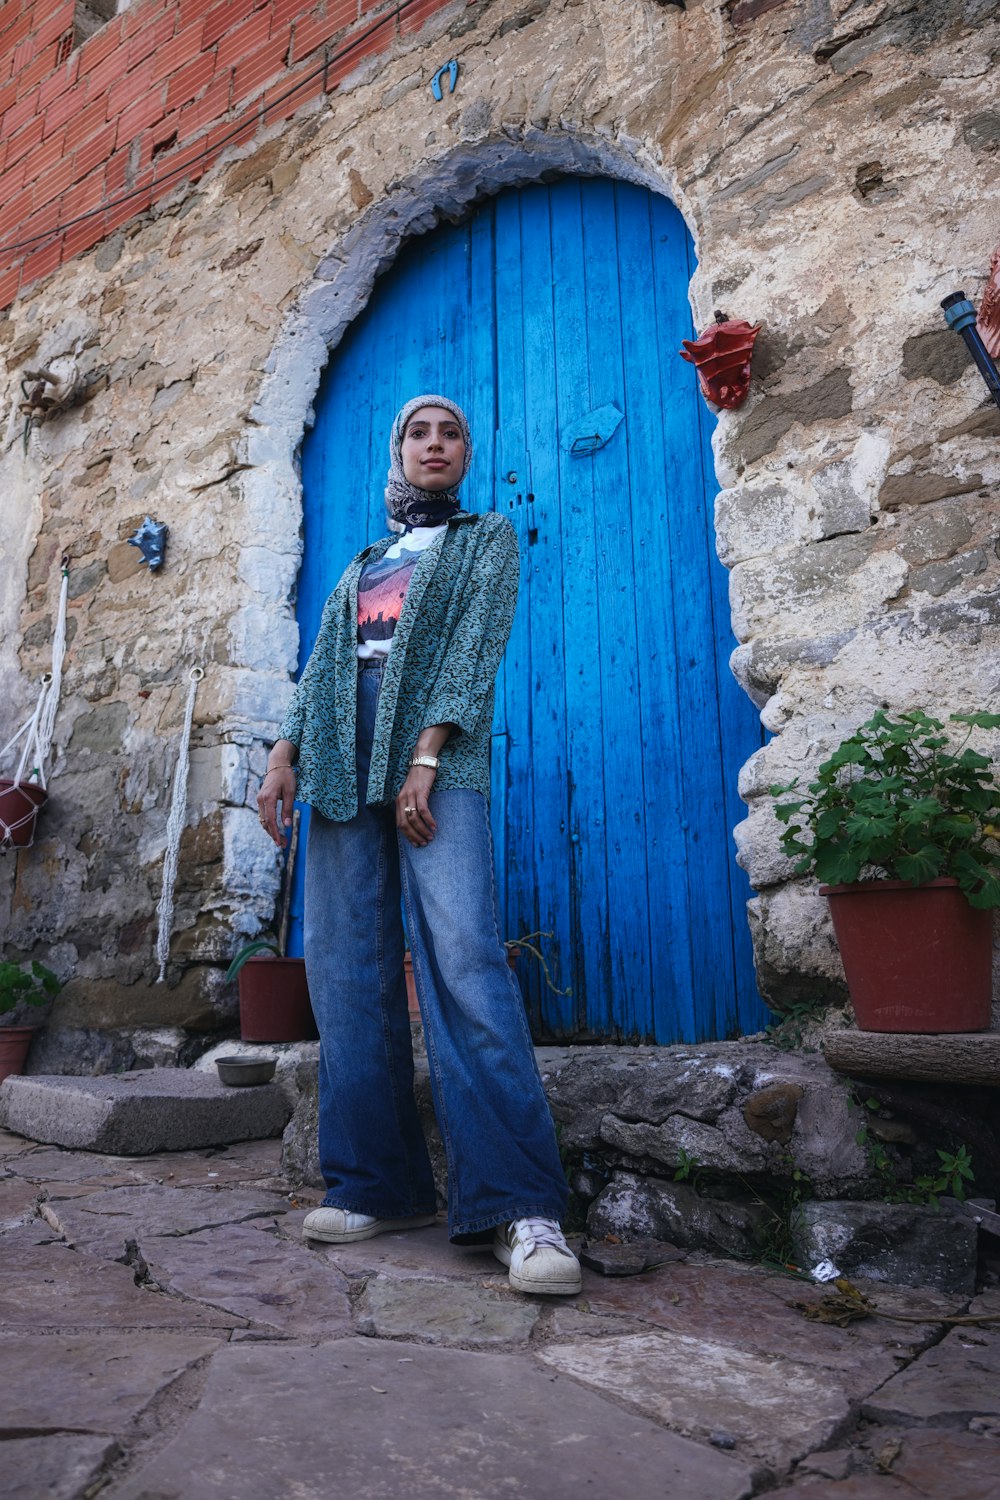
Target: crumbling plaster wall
pixel 830 158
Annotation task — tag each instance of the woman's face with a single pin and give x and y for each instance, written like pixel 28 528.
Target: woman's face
pixel 433 449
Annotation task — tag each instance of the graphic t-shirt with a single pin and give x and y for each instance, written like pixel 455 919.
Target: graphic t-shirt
pixel 382 589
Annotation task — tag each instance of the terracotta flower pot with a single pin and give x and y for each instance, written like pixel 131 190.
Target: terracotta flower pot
pixel 14 1044
pixel 274 1001
pixel 412 1003
pixel 917 957
pixel 20 804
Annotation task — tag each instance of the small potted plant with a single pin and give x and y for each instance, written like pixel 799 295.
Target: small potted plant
pixel 274 995
pixel 26 992
pixel 901 825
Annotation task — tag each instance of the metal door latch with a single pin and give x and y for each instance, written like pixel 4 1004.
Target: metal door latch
pixel 593 431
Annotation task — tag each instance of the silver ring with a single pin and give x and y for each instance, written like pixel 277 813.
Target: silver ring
pixel 409 810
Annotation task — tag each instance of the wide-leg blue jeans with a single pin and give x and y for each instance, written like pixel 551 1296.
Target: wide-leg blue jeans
pixel 503 1161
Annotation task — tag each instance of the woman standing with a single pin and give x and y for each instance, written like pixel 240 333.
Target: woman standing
pixel 389 731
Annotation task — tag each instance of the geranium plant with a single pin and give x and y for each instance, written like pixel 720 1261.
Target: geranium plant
pixel 899 800
pixel 26 985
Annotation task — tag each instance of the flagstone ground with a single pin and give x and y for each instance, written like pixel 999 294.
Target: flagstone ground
pixel 165 1331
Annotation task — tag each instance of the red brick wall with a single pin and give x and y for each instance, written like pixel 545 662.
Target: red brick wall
pixel 104 129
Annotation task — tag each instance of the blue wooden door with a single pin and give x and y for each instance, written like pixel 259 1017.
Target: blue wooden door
pixel 554 316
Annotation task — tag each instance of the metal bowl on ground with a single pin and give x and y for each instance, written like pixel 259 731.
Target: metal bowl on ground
pixel 237 1072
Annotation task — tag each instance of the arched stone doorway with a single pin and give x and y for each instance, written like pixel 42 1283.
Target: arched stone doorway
pixel 619 730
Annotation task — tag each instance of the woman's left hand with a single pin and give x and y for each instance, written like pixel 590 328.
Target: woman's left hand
pixel 413 815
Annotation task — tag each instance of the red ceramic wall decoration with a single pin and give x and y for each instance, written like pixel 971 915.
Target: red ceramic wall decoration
pixel 988 322
pixel 721 356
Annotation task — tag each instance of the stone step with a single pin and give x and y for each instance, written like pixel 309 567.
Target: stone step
pixel 136 1114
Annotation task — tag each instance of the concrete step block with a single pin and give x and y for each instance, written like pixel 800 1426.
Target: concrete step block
pixel 136 1114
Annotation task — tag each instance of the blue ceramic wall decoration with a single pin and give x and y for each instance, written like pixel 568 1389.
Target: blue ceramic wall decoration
pixel 151 540
pixel 451 68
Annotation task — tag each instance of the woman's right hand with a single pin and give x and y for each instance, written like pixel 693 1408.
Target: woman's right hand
pixel 277 788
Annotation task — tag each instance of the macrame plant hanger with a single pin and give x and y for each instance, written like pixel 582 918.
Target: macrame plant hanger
pixel 22 798
pixel 175 827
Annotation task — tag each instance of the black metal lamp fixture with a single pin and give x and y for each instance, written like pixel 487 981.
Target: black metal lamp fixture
pixel 960 315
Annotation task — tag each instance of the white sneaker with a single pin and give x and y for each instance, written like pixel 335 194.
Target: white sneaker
pixel 539 1258
pixel 337 1227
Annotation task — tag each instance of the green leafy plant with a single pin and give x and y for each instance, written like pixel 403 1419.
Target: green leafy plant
pixel 782 1219
pixel 687 1169
pixel 953 1172
pixel 878 1157
pixel 248 951
pixel 31 984
pixel 788 1032
pixel 896 800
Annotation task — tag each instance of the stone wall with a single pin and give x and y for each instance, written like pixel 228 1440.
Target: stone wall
pixel 829 158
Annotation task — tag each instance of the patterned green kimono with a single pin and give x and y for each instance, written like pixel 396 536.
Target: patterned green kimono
pixel 453 628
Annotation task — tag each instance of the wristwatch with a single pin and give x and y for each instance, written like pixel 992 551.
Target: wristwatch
pixel 425 760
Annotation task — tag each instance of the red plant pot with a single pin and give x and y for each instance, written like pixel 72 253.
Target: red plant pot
pixel 20 803
pixel 274 1001
pixel 14 1044
pixel 917 957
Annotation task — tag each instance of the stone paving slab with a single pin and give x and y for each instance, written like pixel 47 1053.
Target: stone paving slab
pixel 414 1252
pixel 948 1465
pixel 60 1468
pixel 48 1286
pixel 55 1167
pixel 748 1308
pixel 90 1382
pixel 256 1276
pixel 629 1259
pixel 947 1386
pixel 565 1322
pixel 922 1465
pixel 103 1221
pixel 222 1236
pixel 133 1114
pixel 17 1202
pixel 243 1163
pixel 11 1145
pixel 860 1487
pixel 358 1417
pixel 240 1163
pixel 776 1409
pixel 468 1314
pixel 828 1463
